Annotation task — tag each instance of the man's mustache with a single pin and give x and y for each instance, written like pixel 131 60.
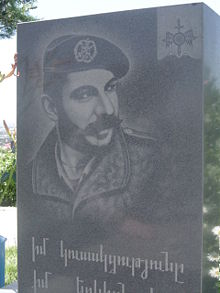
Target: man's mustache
pixel 105 121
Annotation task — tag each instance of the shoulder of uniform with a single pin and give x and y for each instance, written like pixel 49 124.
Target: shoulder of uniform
pixel 138 134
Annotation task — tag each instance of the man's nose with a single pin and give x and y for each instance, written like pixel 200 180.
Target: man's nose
pixel 104 105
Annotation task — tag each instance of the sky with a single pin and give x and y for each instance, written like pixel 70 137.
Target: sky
pixel 51 9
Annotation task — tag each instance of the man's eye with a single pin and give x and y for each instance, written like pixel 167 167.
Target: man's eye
pixel 84 93
pixel 111 87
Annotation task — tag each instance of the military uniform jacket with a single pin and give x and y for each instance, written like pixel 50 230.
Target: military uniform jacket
pixel 120 181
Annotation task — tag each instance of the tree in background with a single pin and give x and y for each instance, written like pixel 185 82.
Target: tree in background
pixel 13 12
pixel 211 245
pixel 8 169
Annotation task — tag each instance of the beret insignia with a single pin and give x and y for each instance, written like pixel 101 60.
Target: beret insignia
pixel 76 53
pixel 85 51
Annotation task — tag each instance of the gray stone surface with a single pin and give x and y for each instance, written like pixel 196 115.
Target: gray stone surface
pixel 112 129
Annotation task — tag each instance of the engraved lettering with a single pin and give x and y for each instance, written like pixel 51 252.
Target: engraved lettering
pixel 178 269
pixel 82 287
pixel 38 249
pixel 111 263
pixel 144 274
pixel 41 283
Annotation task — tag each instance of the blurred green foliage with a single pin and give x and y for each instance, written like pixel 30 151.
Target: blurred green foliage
pixel 2 76
pixel 13 12
pixel 211 176
pixel 7 177
pixel 11 274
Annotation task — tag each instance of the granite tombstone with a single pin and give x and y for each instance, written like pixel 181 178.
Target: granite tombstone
pixel 118 144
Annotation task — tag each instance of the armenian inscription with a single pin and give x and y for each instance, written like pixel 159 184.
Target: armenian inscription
pixel 135 266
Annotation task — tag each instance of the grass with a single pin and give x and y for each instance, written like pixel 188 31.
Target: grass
pixel 11 273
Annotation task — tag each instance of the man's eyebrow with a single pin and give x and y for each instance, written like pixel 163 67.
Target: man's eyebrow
pixel 82 87
pixel 114 79
pixel 79 90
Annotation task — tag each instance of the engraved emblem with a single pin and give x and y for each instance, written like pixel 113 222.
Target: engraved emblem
pixel 180 38
pixel 85 51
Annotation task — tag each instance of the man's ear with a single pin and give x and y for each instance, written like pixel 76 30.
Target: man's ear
pixel 50 107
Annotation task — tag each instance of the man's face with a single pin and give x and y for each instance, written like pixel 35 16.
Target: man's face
pixel 88 97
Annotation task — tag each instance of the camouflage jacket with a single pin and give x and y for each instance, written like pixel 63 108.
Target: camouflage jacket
pixel 119 181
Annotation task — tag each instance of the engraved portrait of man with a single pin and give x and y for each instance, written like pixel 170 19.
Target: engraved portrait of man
pixel 90 166
pixel 110 138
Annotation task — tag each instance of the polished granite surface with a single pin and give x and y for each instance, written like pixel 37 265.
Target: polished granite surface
pixel 118 153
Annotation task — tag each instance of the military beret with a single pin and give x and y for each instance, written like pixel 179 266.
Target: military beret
pixel 73 53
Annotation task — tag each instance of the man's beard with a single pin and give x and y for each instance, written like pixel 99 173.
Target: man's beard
pixel 75 137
